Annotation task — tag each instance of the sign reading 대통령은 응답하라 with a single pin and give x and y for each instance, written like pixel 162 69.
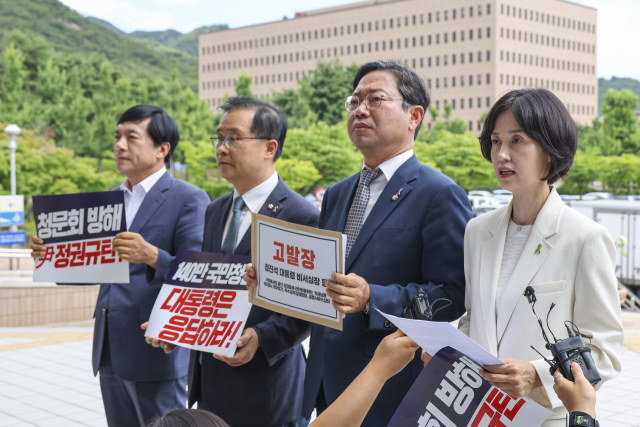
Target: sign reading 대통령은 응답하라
pixel 203 304
pixel 78 231
pixel 292 263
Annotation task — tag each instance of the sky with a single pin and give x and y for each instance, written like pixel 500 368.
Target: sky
pixel 618 21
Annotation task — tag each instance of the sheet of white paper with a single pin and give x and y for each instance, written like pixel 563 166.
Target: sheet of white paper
pixel 434 336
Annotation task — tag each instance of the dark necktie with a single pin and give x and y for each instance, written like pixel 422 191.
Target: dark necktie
pixel 229 245
pixel 359 206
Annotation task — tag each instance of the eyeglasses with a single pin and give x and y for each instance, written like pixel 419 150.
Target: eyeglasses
pixel 373 101
pixel 230 140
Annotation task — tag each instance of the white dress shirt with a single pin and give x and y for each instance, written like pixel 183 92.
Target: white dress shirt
pixel 376 186
pixel 254 199
pixel 133 197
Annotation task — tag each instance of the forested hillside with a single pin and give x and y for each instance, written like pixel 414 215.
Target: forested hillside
pixel 617 83
pixel 76 38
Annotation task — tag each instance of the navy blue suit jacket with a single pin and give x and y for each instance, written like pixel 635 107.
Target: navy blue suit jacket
pixel 413 242
pixel 171 217
pixel 268 389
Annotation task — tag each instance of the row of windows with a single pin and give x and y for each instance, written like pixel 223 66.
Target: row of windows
pixel 553 85
pixel 461 57
pixel 445 36
pixel 550 19
pixel 461 80
pixel 551 41
pixel 348 29
pixel 539 61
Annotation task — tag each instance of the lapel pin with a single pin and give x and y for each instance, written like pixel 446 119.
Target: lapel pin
pixel 270 206
pixel 395 196
pixel 537 251
pixel 275 208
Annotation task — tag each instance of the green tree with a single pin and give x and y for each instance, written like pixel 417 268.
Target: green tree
pixel 458 156
pixel 300 175
pixel 618 172
pixel 12 83
pixel 620 122
pixel 243 85
pixel 585 170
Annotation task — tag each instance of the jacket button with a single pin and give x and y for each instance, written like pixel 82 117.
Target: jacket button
pixel 104 311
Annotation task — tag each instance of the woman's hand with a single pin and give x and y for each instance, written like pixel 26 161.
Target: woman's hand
pixel 393 354
pixel 516 377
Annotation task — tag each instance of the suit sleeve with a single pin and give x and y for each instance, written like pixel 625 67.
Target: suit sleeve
pixel 596 310
pixel 188 235
pixel 442 262
pixel 279 333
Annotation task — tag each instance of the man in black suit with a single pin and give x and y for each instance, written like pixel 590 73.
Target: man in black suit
pixel 262 384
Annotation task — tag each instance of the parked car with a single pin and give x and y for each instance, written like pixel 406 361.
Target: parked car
pixel 480 193
pixel 597 196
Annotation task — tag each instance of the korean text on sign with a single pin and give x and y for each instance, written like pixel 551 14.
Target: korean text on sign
pixel 78 231
pixel 203 304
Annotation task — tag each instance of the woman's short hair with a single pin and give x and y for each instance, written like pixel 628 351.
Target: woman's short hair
pixel 187 418
pixel 545 119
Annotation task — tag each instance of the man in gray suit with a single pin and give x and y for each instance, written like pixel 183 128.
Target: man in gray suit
pixel 163 215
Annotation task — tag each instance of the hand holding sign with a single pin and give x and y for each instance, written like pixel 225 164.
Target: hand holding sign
pixel 247 346
pixel 394 352
pixel 37 247
pixel 155 342
pixel 250 277
pixel 133 248
pixel 349 294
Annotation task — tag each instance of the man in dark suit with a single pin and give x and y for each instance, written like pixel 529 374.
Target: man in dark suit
pixel 262 384
pixel 405 225
pixel 163 214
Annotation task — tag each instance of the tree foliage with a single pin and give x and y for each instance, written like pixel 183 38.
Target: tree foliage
pixel 620 123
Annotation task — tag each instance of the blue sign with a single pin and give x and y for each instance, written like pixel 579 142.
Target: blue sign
pixel 9 238
pixel 11 210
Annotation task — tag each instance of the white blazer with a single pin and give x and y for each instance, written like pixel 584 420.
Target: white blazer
pixel 575 269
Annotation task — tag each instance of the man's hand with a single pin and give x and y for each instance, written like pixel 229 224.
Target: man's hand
pixel 393 354
pixel 577 396
pixel 37 247
pixel 133 248
pixel 167 347
pixel 349 294
pixel 248 344
pixel 250 277
pixel 515 377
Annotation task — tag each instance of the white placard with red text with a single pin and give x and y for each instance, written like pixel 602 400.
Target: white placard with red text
pixel 203 304
pixel 292 264
pixel 78 231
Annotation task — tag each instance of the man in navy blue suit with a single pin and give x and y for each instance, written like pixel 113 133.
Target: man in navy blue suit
pixel 262 384
pixel 405 225
pixel 163 214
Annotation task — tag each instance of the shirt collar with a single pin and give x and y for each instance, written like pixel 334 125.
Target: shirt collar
pixel 146 184
pixel 390 167
pixel 255 198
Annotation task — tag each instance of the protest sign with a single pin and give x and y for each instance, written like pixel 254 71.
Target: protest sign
pixel 203 304
pixel 292 263
pixel 449 392
pixel 433 336
pixel 78 231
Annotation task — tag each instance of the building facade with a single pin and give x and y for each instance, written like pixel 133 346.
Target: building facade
pixel 469 52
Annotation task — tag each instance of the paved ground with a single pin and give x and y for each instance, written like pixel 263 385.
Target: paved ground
pixel 46 379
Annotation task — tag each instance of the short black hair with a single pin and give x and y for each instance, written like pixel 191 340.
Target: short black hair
pixel 545 119
pixel 187 418
pixel 161 128
pixel 410 85
pixel 268 121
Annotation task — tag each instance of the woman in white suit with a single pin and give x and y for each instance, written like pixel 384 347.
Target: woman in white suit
pixel 537 241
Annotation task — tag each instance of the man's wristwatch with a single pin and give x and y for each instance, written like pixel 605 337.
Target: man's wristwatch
pixel 367 307
pixel 580 419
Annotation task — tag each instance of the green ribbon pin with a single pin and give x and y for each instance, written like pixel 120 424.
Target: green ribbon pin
pixel 538 249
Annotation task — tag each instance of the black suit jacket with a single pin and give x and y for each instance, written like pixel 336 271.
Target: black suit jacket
pixel 267 390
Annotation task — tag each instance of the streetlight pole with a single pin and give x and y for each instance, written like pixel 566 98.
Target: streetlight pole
pixel 13 131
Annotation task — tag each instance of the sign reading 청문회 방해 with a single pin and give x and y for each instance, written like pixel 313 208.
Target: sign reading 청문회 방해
pixel 449 392
pixel 292 263
pixel 78 231
pixel 203 304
